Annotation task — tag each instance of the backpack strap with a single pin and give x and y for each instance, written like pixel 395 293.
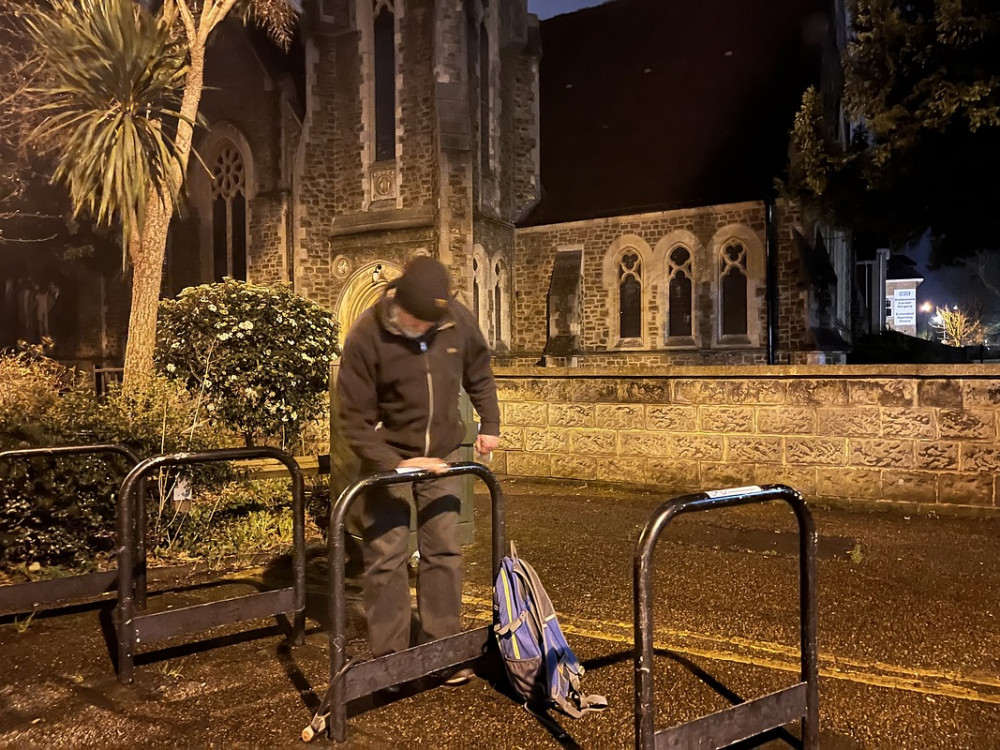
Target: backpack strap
pixel 580 703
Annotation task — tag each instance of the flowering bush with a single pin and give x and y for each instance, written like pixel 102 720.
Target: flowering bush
pixel 260 356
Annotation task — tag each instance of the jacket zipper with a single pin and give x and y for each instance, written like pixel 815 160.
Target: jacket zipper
pixel 430 400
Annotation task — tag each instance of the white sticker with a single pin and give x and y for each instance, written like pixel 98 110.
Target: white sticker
pixel 407 469
pixel 733 491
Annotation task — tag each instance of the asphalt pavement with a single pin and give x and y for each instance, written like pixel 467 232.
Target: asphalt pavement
pixel 908 638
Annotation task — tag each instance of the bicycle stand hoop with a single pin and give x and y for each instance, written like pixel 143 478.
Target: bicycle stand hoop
pixel 351 681
pixel 134 628
pixel 750 718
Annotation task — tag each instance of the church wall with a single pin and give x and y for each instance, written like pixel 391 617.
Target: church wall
pixel 497 241
pixel 521 165
pixel 596 238
pixel 416 137
pixel 326 169
pixel 901 434
pixel 239 92
pixel 700 230
pixel 794 335
pixel 268 239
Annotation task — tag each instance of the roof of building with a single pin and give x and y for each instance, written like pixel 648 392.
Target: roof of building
pixel 899 267
pixel 650 105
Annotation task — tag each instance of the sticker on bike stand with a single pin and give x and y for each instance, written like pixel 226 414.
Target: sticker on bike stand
pixel 733 491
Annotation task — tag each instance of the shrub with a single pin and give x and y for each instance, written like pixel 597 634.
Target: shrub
pixel 241 519
pixel 260 356
pixel 61 511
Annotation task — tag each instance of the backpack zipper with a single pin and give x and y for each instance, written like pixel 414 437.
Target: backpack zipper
pixel 513 635
pixel 430 399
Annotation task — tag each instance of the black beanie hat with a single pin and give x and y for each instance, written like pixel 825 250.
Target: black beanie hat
pixel 422 290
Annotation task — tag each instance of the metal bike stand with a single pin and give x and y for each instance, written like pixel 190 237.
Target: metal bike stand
pixel 136 628
pixel 31 595
pixel 753 717
pixel 365 678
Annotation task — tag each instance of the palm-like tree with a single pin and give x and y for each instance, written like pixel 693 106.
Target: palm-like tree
pixel 123 87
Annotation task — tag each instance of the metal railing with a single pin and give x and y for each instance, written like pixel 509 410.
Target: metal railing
pixel 364 678
pixel 34 594
pixel 750 718
pixel 133 628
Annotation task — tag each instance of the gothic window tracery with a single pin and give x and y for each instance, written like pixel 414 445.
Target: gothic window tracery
pixel 733 289
pixel 680 298
pixel 630 295
pixel 229 214
pixel 477 287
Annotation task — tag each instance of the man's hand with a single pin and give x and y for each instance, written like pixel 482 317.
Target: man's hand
pixel 486 444
pixel 435 465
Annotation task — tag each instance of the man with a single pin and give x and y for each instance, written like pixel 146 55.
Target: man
pixel 400 372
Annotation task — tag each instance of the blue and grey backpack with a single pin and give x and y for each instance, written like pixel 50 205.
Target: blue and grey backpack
pixel 540 664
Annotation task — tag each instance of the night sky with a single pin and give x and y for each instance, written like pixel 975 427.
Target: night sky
pixel 549 8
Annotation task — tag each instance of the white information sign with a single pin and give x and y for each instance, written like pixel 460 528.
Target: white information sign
pixel 904 307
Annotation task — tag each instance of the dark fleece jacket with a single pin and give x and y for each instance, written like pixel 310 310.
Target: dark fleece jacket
pixel 399 396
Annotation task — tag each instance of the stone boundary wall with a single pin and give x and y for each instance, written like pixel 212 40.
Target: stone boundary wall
pixel 896 434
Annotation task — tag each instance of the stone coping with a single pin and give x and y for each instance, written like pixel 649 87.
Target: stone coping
pixel 990 371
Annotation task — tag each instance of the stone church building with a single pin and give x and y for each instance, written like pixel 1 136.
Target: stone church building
pixel 600 184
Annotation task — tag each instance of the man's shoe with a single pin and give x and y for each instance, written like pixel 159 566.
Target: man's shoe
pixel 458 677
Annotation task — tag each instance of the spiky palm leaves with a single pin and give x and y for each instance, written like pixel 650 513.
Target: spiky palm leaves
pixel 112 94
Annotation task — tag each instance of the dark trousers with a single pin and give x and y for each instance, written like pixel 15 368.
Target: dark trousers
pixel 386 586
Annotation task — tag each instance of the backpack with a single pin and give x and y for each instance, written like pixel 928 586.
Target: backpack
pixel 542 668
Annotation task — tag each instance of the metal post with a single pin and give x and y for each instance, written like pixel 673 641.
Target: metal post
pixel 298 553
pixel 642 582
pixel 126 604
pixel 808 606
pixel 140 544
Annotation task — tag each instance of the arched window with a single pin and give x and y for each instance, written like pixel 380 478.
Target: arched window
pixel 477 286
pixel 481 289
pixel 229 214
pixel 680 299
pixel 500 332
pixel 385 81
pixel 630 295
pixel 733 290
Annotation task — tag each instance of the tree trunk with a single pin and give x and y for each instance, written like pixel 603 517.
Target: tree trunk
pixel 147 252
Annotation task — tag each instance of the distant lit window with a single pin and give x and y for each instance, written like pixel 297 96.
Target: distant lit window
pixel 229 215
pixel 680 299
pixel 630 296
pixel 733 290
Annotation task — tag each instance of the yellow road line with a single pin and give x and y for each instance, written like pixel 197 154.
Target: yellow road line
pixel 947 684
